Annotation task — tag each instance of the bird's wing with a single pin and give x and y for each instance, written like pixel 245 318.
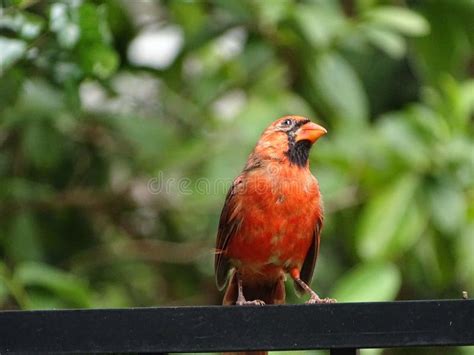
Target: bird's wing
pixel 309 263
pixel 229 225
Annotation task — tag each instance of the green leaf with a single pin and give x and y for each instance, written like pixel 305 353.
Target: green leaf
pixel 320 25
pixel 364 5
pixel 467 101
pixel 465 350
pixel 23 190
pixel 399 19
pixel 149 139
pixel 372 282
pixel 4 292
pixel 99 60
pixel 409 231
pixel 42 145
pixel 464 260
pixel 272 12
pixel 448 206
pixel 338 87
pixel 456 101
pixel 446 48
pixel 40 100
pixel 65 286
pixel 379 227
pixel 11 50
pixel 23 241
pixel 191 16
pixel 43 299
pixel 10 85
pixel 398 134
pixel 91 23
pixel 388 41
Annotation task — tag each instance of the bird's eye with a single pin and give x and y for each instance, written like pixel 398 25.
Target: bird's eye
pixel 287 122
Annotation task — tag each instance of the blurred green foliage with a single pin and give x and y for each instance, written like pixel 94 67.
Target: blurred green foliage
pixel 113 169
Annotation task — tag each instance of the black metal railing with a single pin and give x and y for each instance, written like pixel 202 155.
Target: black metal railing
pixel 343 328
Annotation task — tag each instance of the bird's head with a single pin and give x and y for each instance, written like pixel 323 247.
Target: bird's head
pixel 290 137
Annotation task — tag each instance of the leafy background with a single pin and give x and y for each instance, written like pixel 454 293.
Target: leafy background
pixel 123 123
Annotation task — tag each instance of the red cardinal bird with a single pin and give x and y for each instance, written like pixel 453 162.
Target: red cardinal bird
pixel 272 219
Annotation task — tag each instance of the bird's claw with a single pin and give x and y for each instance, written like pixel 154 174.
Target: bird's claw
pixel 317 300
pixel 249 303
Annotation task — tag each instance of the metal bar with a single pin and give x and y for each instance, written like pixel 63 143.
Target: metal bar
pixel 217 328
pixel 345 351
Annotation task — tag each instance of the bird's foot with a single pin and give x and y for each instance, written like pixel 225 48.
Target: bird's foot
pixel 314 299
pixel 249 303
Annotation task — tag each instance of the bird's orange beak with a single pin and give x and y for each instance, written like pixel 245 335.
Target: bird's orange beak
pixel 310 131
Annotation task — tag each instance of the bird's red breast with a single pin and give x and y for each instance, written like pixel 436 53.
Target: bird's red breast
pixel 272 216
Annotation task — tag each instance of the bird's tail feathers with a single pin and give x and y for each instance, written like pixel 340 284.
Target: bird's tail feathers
pixel 270 293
